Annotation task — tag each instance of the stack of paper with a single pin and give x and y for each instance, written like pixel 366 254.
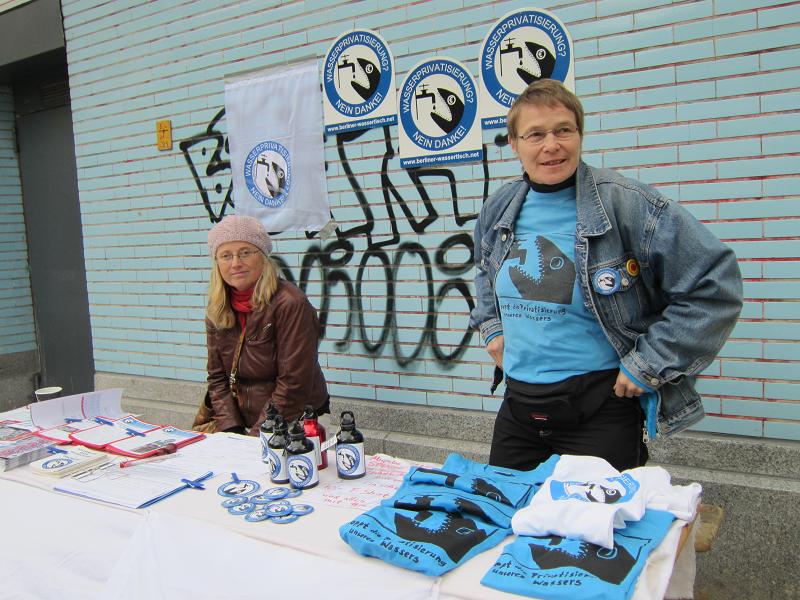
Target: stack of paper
pixel 9 433
pixel 69 461
pixel 23 451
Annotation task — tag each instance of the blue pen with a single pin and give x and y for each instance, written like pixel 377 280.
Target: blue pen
pixel 134 432
pixel 72 420
pixel 54 450
pixel 187 483
pixel 197 483
pixel 103 421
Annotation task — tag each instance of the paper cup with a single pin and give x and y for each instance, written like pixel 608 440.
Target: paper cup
pixel 47 393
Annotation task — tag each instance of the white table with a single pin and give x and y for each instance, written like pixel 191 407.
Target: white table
pixel 58 546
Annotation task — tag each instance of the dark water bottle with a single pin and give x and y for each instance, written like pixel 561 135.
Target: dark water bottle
pixel 301 459
pixel 315 433
pixel 276 446
pixel 351 462
pixel 266 430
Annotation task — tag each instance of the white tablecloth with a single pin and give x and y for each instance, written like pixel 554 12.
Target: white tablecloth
pixel 55 546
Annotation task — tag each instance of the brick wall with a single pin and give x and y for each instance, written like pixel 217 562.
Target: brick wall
pixel 6 5
pixel 17 332
pixel 698 98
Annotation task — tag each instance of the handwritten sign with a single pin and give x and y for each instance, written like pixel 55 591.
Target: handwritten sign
pixel 384 476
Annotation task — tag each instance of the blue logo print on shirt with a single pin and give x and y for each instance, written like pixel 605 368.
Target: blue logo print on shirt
pixel 556 273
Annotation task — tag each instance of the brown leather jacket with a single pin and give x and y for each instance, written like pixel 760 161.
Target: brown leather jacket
pixel 278 363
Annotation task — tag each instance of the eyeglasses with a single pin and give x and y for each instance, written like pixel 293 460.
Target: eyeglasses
pixel 244 254
pixel 537 136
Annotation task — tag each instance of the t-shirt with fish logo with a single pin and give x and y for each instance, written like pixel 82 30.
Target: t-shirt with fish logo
pixel 549 334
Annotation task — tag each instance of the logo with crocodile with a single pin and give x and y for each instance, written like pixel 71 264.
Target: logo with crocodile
pixel 522 47
pixel 268 173
pixel 357 79
pixel 438 104
pixel 556 272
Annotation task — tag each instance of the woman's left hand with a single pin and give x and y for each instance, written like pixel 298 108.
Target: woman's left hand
pixel 625 388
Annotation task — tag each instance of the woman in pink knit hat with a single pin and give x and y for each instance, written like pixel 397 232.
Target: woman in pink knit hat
pixel 262 333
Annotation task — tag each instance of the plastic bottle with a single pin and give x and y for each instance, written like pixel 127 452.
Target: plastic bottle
pixel 278 472
pixel 315 433
pixel 266 430
pixel 301 460
pixel 351 463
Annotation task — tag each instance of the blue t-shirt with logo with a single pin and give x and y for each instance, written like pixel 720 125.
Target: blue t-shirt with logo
pixel 549 333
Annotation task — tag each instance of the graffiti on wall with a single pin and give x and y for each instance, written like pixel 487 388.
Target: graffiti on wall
pixel 385 237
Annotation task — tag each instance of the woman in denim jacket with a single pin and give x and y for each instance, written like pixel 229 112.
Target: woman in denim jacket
pixel 599 297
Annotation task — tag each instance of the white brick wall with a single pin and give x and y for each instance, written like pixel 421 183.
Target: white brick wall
pixel 17 332
pixel 698 98
pixel 6 5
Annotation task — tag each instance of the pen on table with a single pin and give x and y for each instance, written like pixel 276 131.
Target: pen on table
pixel 103 421
pixel 54 450
pixel 134 432
pixel 165 452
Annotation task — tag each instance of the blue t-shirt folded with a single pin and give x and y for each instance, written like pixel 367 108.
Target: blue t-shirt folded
pixel 440 518
pixel 431 542
pixel 430 497
pixel 556 568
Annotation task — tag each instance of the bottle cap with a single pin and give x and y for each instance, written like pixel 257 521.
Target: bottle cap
pixel 280 426
pixel 296 431
pixel 309 413
pixel 347 421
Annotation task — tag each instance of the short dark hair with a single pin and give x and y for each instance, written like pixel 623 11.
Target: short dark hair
pixel 545 92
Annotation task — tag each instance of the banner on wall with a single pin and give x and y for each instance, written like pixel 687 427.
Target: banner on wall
pixel 520 48
pixel 438 114
pixel 276 148
pixel 358 79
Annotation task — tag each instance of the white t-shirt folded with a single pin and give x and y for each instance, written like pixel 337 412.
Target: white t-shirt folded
pixel 586 498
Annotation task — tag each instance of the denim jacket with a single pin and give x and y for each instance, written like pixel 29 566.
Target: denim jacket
pixel 679 298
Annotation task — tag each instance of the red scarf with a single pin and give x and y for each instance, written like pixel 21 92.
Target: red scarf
pixel 240 302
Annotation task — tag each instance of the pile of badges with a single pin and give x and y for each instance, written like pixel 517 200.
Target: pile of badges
pixel 241 498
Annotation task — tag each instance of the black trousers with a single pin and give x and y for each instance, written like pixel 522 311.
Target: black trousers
pixel 604 424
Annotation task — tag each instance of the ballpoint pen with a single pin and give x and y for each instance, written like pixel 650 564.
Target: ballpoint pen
pixel 187 483
pixel 161 454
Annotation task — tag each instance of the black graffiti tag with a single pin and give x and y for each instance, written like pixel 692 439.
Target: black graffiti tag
pixel 332 265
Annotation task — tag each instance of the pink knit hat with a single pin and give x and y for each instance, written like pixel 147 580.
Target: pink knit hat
pixel 234 228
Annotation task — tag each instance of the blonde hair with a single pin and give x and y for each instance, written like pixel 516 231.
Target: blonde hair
pixel 219 310
pixel 545 92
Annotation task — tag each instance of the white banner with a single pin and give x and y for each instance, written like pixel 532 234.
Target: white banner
pixel 276 147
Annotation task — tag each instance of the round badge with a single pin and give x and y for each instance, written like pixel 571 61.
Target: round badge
pixel 242 487
pixel 294 493
pixel 278 510
pixel 242 509
pixel 276 493
pixel 259 514
pixel 261 499
pixel 236 501
pixel 280 502
pixel 302 509
pixel 285 519
pixel 606 281
pixel 632 267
